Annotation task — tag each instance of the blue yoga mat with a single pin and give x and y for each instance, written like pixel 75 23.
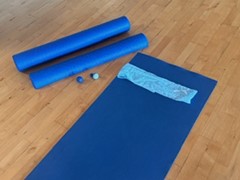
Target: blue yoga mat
pixel 129 132
pixel 86 61
pixel 38 55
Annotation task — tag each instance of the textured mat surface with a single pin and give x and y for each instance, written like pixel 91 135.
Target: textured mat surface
pixel 128 132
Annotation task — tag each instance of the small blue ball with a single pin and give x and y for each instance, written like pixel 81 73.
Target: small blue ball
pixel 95 76
pixel 80 79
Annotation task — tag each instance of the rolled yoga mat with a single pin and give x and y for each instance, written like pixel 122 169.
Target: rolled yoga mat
pixel 38 55
pixel 129 132
pixel 86 61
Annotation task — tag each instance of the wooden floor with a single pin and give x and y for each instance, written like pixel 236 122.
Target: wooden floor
pixel 200 35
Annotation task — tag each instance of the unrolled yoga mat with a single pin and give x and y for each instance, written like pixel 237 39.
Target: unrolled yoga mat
pixel 129 132
pixel 38 55
pixel 89 60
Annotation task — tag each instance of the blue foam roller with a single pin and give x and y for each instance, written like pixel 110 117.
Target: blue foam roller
pixel 86 61
pixel 38 55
